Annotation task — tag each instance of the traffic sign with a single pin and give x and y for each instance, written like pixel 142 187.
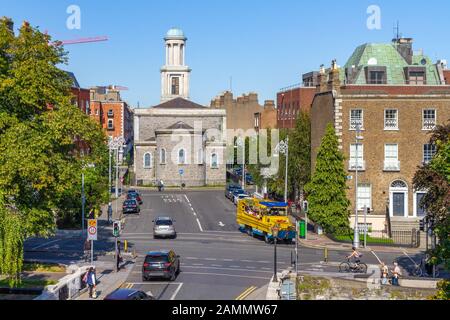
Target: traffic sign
pixel 92 229
pixel 181 171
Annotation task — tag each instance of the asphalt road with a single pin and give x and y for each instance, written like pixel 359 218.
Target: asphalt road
pixel 217 261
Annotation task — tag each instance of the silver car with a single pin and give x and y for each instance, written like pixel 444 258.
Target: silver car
pixel 163 227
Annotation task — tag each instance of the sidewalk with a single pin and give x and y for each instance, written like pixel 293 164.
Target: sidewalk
pixel 108 280
pixel 316 241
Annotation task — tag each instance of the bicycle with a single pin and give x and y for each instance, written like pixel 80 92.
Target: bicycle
pixel 419 269
pixel 357 267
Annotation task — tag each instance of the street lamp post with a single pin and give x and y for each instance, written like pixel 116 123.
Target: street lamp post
pixel 275 230
pixel 241 143
pixel 356 230
pixel 83 197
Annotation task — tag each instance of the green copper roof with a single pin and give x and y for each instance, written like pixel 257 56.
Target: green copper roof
pixel 387 55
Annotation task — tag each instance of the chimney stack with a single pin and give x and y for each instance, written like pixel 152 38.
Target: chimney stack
pixel 404 47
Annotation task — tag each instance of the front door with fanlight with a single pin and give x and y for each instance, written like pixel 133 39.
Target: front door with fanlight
pixel 398 198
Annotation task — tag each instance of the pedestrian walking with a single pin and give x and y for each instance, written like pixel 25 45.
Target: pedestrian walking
pixel 118 256
pixel 91 280
pixel 384 273
pixel 110 213
pixel 396 273
pixel 87 250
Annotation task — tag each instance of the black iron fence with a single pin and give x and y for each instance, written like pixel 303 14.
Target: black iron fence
pixel 397 238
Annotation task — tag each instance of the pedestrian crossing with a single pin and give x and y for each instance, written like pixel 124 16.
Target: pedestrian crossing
pixel 172 198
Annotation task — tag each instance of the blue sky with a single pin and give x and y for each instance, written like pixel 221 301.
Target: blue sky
pixel 264 45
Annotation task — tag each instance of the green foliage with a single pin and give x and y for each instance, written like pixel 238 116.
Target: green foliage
pixel 45 142
pixel 443 290
pixel 328 204
pixel 435 178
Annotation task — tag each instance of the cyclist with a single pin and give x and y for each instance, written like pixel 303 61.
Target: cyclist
pixel 355 257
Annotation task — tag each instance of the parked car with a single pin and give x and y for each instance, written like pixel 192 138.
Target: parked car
pixel 240 197
pixel 130 206
pixel 161 264
pixel 236 192
pixel 163 227
pixel 230 189
pixel 128 294
pixel 135 196
pixel 249 179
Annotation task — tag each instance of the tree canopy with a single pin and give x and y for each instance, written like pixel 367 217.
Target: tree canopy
pixel 45 142
pixel 326 193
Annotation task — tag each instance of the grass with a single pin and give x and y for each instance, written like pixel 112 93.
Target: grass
pixel 27 283
pixel 42 267
pixel 311 286
pixel 349 238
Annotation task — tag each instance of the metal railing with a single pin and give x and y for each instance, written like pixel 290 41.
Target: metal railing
pixel 392 165
pixel 398 238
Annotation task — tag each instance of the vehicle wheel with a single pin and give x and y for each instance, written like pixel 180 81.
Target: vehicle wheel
pixel 288 241
pixel 362 268
pixel 417 272
pixel 249 231
pixel 179 269
pixel 267 239
pixel 344 267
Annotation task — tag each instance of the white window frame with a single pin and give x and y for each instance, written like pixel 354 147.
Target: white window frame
pixel 179 158
pixel 388 128
pixel 427 126
pixel 144 160
pixel 391 163
pixel 217 161
pixel 110 127
pixel 162 160
pixel 353 120
pixel 423 150
pixel 367 200
pixel 360 156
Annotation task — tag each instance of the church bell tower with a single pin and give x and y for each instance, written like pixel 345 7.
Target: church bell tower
pixel 175 73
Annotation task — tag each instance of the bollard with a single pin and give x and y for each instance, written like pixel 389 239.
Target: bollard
pixel 325 254
pixel 125 246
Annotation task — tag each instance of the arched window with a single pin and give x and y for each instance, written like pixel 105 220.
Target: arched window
pixel 147 160
pixel 214 161
pixel 162 156
pixel 399 184
pixel 181 156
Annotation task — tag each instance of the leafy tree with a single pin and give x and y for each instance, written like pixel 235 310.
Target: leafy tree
pixel 45 142
pixel 435 178
pixel 328 203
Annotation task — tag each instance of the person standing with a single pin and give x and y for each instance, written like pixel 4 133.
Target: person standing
pixel 396 274
pixel 110 213
pixel 118 257
pixel 92 283
pixel 384 273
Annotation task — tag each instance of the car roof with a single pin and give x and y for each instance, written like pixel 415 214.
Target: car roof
pixel 158 253
pixel 163 218
pixel 121 293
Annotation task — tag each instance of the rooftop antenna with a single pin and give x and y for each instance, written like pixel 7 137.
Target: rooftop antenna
pixel 397 33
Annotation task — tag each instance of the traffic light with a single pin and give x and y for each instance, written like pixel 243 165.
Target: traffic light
pixel 116 229
pixel 305 206
pixel 422 224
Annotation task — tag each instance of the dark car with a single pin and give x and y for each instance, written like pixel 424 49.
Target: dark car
pixel 128 294
pixel 161 264
pixel 130 206
pixel 229 190
pixel 134 196
pixel 236 192
pixel 249 179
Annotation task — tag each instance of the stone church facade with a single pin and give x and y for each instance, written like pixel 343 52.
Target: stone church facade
pixel 179 141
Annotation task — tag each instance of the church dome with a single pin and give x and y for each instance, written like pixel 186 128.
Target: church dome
pixel 175 33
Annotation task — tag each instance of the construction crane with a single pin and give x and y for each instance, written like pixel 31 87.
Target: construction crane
pixel 79 41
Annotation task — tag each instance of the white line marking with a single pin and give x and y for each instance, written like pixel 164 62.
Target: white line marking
pixel 235 266
pixel 192 258
pixel 247 261
pixel 199 225
pixel 225 275
pixel 192 209
pixel 225 268
pixel 154 283
pixel 221 224
pixel 216 265
pixel 186 198
pixel 373 252
pixel 412 260
pixel 229 260
pixel 198 264
pixel 263 261
pixel 250 267
pixel 210 259
pixel 176 292
pixel 45 244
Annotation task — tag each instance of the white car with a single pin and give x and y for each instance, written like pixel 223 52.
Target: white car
pixel 238 197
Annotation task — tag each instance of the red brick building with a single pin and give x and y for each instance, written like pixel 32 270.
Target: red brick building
pixel 395 98
pixel 292 99
pixel 114 115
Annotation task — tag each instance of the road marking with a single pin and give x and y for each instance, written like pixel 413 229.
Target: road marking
pixel 199 225
pixel 247 261
pixel 186 198
pixel 211 259
pixel 226 275
pixel 373 252
pixel 192 258
pixel 45 244
pixel 265 268
pixel 263 262
pixel 251 267
pixel 228 260
pixel 176 292
pixel 235 266
pixel 198 264
pixel 412 260
pixel 224 269
pixel 246 293
pixel 216 265
pixel 192 209
pixel 221 224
